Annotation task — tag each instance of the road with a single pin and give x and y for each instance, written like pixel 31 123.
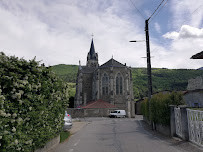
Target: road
pixel 117 135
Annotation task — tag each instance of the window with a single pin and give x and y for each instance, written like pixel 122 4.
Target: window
pixel 119 84
pixel 105 85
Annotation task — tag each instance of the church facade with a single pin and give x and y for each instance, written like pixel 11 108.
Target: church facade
pixel 110 82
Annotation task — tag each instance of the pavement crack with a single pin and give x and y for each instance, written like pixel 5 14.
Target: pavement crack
pixel 117 143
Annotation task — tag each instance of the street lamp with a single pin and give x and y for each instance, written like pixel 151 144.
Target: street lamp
pixel 137 41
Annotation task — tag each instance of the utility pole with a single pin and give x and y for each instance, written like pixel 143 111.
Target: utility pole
pixel 149 73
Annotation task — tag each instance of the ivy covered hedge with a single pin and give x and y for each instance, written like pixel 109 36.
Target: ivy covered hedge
pixel 32 104
pixel 159 107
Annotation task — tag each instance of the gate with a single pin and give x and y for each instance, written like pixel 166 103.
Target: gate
pixel 195 126
pixel 178 123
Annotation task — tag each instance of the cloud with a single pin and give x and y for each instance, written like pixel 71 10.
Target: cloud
pixel 171 35
pixel 157 27
pixel 59 32
pixel 185 32
pixel 190 32
pixel 186 12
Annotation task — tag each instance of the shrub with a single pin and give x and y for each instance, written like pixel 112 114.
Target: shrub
pixel 32 104
pixel 159 107
pixel 145 108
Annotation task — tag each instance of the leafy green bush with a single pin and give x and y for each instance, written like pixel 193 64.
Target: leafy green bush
pixel 159 107
pixel 32 104
pixel 145 108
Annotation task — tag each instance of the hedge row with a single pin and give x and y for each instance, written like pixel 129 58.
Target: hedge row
pixel 32 104
pixel 159 107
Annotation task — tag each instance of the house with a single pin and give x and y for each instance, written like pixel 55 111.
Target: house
pixel 194 95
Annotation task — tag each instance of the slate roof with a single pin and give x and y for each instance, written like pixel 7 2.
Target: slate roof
pixel 92 51
pixel 98 104
pixel 198 56
pixel 112 63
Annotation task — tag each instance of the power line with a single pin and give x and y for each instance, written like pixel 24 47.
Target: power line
pixel 137 10
pixel 156 9
pixel 193 13
pixel 159 10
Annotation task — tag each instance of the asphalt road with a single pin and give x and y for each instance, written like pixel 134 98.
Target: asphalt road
pixel 116 135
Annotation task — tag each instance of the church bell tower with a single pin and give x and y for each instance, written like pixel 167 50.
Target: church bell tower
pixel 92 57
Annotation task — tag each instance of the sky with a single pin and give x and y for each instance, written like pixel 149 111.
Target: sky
pixel 60 31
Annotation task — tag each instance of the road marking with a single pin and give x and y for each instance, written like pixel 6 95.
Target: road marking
pixel 71 150
pixel 77 143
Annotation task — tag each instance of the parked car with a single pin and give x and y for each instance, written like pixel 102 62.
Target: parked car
pixel 67 121
pixel 117 114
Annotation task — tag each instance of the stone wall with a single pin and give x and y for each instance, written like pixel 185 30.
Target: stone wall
pixel 81 113
pixel 121 101
pixel 76 113
pixel 50 145
pixel 195 84
pixel 165 130
pixel 87 87
pixel 138 108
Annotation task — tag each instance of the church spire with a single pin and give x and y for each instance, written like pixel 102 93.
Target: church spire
pixel 92 51
pixel 92 56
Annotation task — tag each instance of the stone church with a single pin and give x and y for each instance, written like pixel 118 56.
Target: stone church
pixel 111 82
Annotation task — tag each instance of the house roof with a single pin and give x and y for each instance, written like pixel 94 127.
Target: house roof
pixel 98 104
pixel 112 63
pixel 198 56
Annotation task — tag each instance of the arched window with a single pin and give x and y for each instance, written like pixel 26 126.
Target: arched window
pixel 105 85
pixel 119 84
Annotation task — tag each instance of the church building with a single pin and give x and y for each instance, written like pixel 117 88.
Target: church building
pixel 110 83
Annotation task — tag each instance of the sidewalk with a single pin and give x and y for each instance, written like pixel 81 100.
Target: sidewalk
pixel 175 141
pixel 77 125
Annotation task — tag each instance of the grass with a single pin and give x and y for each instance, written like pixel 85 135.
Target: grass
pixel 64 135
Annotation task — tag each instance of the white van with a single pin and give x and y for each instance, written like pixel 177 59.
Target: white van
pixel 117 114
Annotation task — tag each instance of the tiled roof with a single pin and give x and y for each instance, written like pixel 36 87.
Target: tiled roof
pixel 198 56
pixel 112 63
pixel 98 104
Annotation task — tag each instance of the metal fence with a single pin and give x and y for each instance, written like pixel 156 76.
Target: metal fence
pixel 195 126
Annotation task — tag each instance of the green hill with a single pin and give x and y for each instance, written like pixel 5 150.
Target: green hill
pixel 66 72
pixel 162 79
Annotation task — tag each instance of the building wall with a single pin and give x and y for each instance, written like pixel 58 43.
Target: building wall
pixel 122 101
pixel 87 87
pixel 194 98
pixel 80 113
